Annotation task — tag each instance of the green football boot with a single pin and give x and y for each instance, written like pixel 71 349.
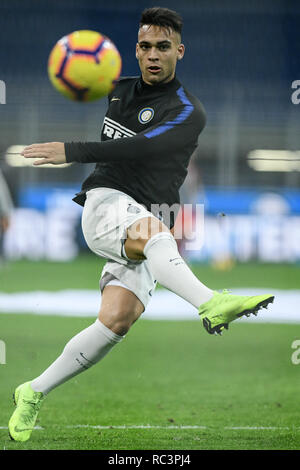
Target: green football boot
pixel 223 308
pixel 22 421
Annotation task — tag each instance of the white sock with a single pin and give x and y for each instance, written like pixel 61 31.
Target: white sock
pixel 171 271
pixel 80 353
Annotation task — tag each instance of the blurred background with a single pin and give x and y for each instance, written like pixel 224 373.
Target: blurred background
pixel 242 59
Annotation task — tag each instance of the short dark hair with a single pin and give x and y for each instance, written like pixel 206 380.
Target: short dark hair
pixel 163 17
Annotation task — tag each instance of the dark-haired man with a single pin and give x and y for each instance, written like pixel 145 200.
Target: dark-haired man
pixel 149 133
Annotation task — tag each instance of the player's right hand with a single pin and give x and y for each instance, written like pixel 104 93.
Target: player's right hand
pixel 51 152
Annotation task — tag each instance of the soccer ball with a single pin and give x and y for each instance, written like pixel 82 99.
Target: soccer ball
pixel 84 65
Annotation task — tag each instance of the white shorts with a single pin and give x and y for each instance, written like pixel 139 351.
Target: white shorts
pixel 106 216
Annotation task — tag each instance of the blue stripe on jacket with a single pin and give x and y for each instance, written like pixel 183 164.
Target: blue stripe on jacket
pixel 188 109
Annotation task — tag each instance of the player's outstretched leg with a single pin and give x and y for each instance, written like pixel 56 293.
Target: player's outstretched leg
pixel 223 308
pixel 216 309
pixel 22 421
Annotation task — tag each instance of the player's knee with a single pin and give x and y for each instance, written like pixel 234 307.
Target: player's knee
pixel 121 327
pixel 119 321
pixel 140 233
pixel 145 228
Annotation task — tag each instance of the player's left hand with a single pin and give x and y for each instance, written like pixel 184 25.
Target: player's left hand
pixel 51 152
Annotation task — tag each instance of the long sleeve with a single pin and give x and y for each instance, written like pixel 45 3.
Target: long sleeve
pixel 179 127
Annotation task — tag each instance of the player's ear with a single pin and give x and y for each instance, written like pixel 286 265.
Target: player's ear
pixel 180 51
pixel 137 51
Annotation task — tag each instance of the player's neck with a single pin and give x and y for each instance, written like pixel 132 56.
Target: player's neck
pixel 159 84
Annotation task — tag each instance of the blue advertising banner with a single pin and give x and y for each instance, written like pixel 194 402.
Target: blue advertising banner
pixel 229 224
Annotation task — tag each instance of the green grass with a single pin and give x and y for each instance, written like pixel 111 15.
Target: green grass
pixel 164 373
pixel 84 273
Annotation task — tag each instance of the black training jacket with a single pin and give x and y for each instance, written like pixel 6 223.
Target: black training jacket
pixel 148 136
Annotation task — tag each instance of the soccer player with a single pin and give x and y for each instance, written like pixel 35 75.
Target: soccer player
pixel 149 133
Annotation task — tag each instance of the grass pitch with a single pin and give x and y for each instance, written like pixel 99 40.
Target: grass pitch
pixel 84 273
pixel 184 388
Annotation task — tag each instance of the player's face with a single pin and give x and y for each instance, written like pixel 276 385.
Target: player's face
pixel 157 51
